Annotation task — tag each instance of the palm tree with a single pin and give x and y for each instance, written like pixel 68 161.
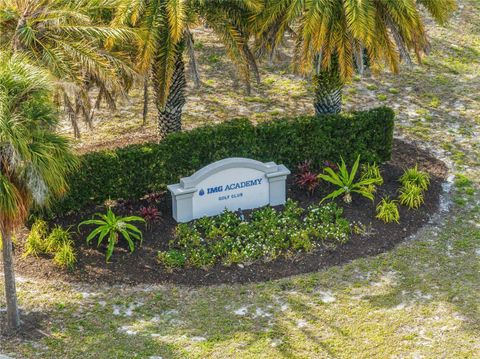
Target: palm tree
pixel 165 36
pixel 67 38
pixel 332 37
pixel 33 159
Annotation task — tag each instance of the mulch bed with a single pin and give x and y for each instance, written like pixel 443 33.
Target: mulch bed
pixel 141 266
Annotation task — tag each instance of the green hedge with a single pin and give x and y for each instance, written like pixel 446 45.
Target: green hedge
pixel 135 170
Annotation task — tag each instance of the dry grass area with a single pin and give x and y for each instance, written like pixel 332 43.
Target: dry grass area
pixel 438 102
pixel 420 300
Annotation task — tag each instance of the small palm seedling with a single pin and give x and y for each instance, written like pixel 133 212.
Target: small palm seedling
pixel 111 227
pixel 415 177
pixel 387 211
pixel 411 196
pixel 346 181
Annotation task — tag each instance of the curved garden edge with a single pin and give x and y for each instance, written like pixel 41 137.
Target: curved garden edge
pixel 141 267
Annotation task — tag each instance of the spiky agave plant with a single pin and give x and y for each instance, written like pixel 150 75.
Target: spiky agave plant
pixel 333 38
pixel 33 159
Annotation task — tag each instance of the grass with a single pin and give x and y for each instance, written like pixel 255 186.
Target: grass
pixel 421 298
pixel 418 300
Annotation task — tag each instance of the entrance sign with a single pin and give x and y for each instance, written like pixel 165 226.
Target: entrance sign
pixel 231 183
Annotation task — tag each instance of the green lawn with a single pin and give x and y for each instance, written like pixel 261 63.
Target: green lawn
pixel 421 300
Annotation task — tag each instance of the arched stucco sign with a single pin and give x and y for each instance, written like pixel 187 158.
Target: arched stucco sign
pixel 230 183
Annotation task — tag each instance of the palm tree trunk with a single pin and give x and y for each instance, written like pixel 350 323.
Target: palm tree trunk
pixel 328 88
pixel 170 116
pixel 13 319
pixel 145 101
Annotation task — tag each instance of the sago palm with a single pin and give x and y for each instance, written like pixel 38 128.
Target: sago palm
pixel 165 36
pixel 333 36
pixel 67 38
pixel 33 159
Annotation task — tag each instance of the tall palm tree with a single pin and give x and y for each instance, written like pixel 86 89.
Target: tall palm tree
pixel 332 37
pixel 165 36
pixel 67 38
pixel 33 159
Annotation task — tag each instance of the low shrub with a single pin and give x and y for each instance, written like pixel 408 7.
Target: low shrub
pixel 57 243
pixel 150 214
pixel 387 211
pixel 411 196
pixel 412 176
pixel 35 243
pixel 65 255
pixel 131 172
pixel 172 258
pixel 267 234
pixel 60 245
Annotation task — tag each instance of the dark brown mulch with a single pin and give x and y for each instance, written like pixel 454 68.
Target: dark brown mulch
pixel 142 267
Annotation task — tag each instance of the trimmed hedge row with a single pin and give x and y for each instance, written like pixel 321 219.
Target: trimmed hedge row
pixel 133 171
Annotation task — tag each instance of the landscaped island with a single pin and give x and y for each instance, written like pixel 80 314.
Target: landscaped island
pixel 322 223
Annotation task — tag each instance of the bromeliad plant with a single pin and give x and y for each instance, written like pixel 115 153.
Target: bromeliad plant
pixel 305 178
pixel 150 214
pixel 346 181
pixel 111 227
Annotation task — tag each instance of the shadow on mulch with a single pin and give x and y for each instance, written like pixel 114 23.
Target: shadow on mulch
pixel 141 266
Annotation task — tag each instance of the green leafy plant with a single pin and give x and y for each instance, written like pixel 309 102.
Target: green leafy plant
pixel 65 256
pixel 346 181
pixel 111 227
pixel 372 171
pixel 57 243
pixel 411 196
pixel 60 244
pixel 57 237
pixel 35 243
pixel 387 211
pixel 415 177
pixel 267 234
pixel 172 258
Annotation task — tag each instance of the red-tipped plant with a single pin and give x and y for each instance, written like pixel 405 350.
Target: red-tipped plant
pixel 150 214
pixel 305 178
